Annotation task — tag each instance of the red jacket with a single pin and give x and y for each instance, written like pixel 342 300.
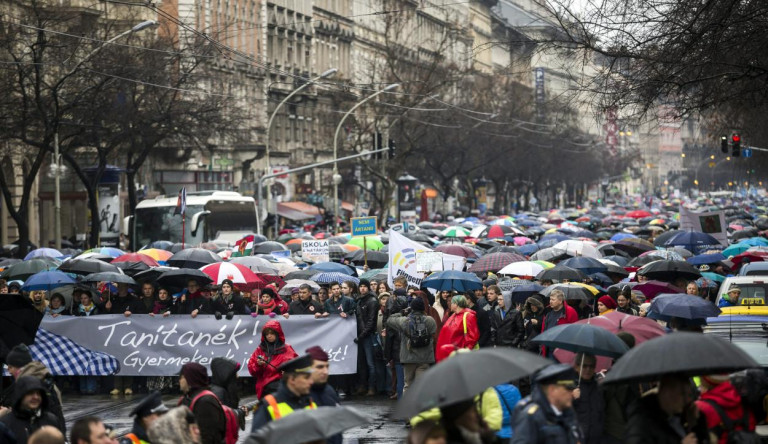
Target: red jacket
pixel 274 354
pixel 453 335
pixel 726 396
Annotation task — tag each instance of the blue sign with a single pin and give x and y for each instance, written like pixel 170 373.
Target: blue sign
pixel 364 226
pixel 747 152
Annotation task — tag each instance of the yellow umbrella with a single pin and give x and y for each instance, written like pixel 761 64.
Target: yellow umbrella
pixel 591 289
pixel 545 264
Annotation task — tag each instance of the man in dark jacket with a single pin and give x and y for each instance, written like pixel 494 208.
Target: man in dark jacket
pixel 292 394
pixel 483 320
pixel 208 412
pixel 30 409
pixel 507 328
pixel 123 303
pixel 588 399
pixel 305 305
pixel 367 314
pixel 667 416
pixel 224 381
pixel 547 416
pixel 321 392
pixel 339 304
pixel 192 302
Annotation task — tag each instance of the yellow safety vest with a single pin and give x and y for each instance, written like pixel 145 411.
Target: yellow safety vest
pixel 135 439
pixel 278 410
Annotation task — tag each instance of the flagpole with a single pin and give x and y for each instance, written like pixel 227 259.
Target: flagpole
pixel 183 228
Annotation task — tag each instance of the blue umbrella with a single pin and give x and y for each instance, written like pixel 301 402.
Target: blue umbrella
pixel 521 293
pixel 43 252
pixel 47 280
pixel 679 305
pixel 453 280
pixel 583 338
pixel 621 261
pixel 329 276
pixel 161 245
pixel 619 236
pixel 755 242
pixel 602 279
pixel 735 249
pixel 587 265
pixel 719 278
pixel 528 249
pixel 694 241
pixel 333 267
pixel 556 237
pixel 710 258
pixel 528 223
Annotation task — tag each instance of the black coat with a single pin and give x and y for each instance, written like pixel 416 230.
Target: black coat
pixel 209 416
pixel 309 307
pixel 325 396
pixel 121 305
pixel 201 304
pixel 224 381
pixel 236 305
pixel 483 325
pixel 508 331
pixel 367 314
pixel 648 424
pixel 534 422
pixel 590 410
pixel 262 417
pixel 23 422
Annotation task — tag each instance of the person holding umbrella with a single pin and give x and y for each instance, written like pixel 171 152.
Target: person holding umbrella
pixel 459 330
pixel 547 415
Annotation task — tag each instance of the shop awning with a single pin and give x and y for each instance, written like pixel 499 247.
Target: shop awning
pixel 297 210
pixel 346 206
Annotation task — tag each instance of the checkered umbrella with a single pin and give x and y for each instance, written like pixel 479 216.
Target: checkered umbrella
pixel 494 262
pixel 63 356
pixel 328 277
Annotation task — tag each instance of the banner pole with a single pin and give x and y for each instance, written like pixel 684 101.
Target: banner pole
pixel 183 228
pixel 365 250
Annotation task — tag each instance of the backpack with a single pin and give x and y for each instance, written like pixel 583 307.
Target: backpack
pixel 231 433
pixel 727 425
pixel 418 334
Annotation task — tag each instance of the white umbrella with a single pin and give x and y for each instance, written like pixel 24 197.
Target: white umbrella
pixel 578 248
pixel 522 269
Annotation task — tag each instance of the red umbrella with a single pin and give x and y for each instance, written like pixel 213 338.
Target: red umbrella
pixel 268 279
pixel 494 262
pixel 652 288
pixel 456 250
pixel 136 257
pixel 496 231
pixel 750 256
pixel 638 214
pixel 240 275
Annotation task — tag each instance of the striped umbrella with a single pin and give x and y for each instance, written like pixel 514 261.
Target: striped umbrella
pixel 328 277
pixel 455 232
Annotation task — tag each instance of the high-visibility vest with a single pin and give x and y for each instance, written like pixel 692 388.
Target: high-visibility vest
pixel 135 439
pixel 279 409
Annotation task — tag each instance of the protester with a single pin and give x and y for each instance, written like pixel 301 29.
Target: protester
pixel 38 370
pixel 337 303
pixel 228 302
pixel 367 313
pixel 731 298
pixel 164 305
pixel 268 356
pixel 86 307
pixel 305 305
pixel 588 399
pixel 192 301
pixel 692 288
pixel 558 313
pixel 533 318
pixel 123 303
pixel 148 296
pixel 268 304
pixel 149 410
pixel 624 303
pixel 178 426
pixel 292 394
pixel 89 430
pixel 547 415
pixel 605 305
pixel 443 305
pixel 429 310
pixel 459 331
pixel 483 316
pixel 667 416
pixel 507 327
pixel 720 403
pixel 509 395
pixel 322 394
pixel 57 306
pixel 39 300
pixel 29 410
pixel 224 381
pixel 207 409
pixel 416 332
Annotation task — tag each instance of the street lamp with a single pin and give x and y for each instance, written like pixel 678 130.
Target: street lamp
pixel 311 81
pixel 57 170
pixel 336 176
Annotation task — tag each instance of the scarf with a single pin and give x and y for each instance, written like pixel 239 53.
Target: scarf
pixel 86 310
pixel 49 310
pixel 162 306
pixel 267 308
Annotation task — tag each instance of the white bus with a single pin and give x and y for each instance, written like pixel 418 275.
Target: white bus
pixel 222 217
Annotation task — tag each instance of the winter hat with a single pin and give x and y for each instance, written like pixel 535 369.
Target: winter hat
pixel 608 302
pixel 294 290
pixel 317 353
pixel 195 374
pixel 19 356
pixel 269 291
pixel 227 281
pixel 365 282
pixel 627 337
pixel 489 282
pixel 417 304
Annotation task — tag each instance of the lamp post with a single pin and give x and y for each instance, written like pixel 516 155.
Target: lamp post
pixel 311 81
pixel 57 166
pixel 336 176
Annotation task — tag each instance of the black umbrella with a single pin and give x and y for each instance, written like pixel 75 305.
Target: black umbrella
pixel 571 291
pixel 268 247
pixel 301 274
pixel 10 261
pixel 670 270
pixel 687 354
pixel 108 276
pixel 615 269
pixel 303 426
pixel 583 338
pixel 561 273
pixel 521 293
pixel 87 266
pixel 376 259
pixel 23 270
pixel 193 258
pixel 179 278
pixel 152 274
pixel 464 375
pixel 132 268
pixel 661 239
pixel 19 319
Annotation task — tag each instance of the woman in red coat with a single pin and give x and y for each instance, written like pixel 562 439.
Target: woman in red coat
pixel 264 362
pixel 459 330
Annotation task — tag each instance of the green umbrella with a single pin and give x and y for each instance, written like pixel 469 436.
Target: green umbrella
pixel 374 274
pixel 372 243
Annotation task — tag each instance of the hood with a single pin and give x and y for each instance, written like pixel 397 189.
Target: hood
pixel 724 394
pixel 534 301
pixel 26 384
pixel 274 325
pixel 36 369
pixel 507 296
pixel 223 370
pixel 172 427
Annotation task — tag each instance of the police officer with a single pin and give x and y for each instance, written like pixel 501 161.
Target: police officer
pixel 148 410
pixel 547 415
pixel 292 394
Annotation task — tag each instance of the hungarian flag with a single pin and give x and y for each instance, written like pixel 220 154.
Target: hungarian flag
pixel 181 203
pixel 243 247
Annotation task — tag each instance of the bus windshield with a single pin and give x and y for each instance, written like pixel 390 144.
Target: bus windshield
pixel 159 223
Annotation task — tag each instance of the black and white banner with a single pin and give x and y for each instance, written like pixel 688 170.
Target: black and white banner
pixel 155 346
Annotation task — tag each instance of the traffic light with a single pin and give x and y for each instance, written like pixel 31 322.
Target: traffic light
pixel 724 144
pixel 392 148
pixel 736 145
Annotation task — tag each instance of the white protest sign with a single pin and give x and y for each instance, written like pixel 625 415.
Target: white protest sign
pixel 315 250
pixel 429 261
